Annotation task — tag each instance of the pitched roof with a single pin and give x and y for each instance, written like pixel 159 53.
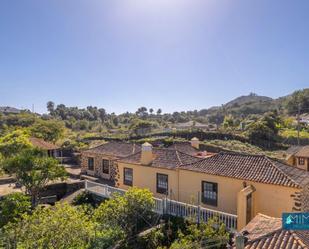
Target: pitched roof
pixel 116 149
pixel 40 143
pixel 303 152
pixel 266 233
pixel 164 158
pixel 184 147
pixel 252 168
pixel 293 149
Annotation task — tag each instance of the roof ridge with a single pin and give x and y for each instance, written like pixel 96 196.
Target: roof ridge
pixel 281 171
pixel 177 154
pixel 266 235
pixel 298 239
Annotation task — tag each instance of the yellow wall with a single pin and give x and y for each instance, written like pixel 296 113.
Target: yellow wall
pixel 146 177
pixel 268 199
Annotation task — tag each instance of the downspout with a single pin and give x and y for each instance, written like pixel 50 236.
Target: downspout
pixel 177 184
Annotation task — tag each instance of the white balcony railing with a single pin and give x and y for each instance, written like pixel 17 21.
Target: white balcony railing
pixel 167 206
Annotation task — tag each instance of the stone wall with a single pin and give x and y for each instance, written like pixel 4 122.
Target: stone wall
pixel 62 189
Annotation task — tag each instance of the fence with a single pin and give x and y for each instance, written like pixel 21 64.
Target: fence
pixel 167 206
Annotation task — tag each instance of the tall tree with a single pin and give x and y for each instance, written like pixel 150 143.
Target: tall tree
pixel 50 107
pixel 49 130
pixel 34 170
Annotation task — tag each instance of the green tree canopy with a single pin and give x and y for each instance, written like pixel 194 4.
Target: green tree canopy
pixel 126 211
pixel 211 234
pixel 12 207
pixel 58 227
pixel 49 130
pixel 33 170
pixel 14 142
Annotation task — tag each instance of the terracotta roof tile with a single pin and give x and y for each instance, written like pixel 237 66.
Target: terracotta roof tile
pixel 303 152
pixel 252 168
pixel 117 149
pixel 266 232
pixel 184 147
pixel 167 158
pixel 40 143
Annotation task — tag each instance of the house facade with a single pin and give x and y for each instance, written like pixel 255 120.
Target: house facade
pixel 298 156
pixel 99 161
pixel 234 183
pixel 51 149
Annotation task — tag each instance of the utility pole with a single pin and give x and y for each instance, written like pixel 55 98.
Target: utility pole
pixel 298 123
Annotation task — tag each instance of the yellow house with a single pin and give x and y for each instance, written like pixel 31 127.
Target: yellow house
pixel 239 184
pixel 298 156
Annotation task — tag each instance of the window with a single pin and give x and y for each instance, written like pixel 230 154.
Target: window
pixel 128 176
pixel 90 163
pixel 301 161
pixel 162 183
pixel 210 193
pixel 105 166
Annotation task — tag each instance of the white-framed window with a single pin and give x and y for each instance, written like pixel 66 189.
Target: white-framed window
pixel 162 183
pixel 128 176
pixel 210 193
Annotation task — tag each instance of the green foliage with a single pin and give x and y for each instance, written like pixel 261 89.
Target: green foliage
pixel 210 234
pixel 177 233
pixel 12 207
pixel 33 170
pixel 299 99
pixel 58 227
pixel 128 212
pixel 23 119
pixel 265 129
pixel 14 142
pixel 138 125
pixel 228 121
pixel 84 198
pixel 49 130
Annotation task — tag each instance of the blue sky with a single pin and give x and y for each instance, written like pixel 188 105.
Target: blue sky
pixel 169 54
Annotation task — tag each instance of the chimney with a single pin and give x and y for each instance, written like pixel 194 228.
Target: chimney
pixel 195 143
pixel 147 155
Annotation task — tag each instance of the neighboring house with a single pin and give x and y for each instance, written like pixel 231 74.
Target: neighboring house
pixel 51 149
pixel 234 183
pixel 298 156
pixel 266 232
pixel 98 161
pixel 9 110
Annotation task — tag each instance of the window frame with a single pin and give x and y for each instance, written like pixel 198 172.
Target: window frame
pixel 159 189
pixel 125 181
pixel 88 165
pixel 301 161
pixel 210 201
pixel 104 165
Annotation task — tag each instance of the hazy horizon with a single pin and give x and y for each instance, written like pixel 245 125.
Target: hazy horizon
pixel 176 55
